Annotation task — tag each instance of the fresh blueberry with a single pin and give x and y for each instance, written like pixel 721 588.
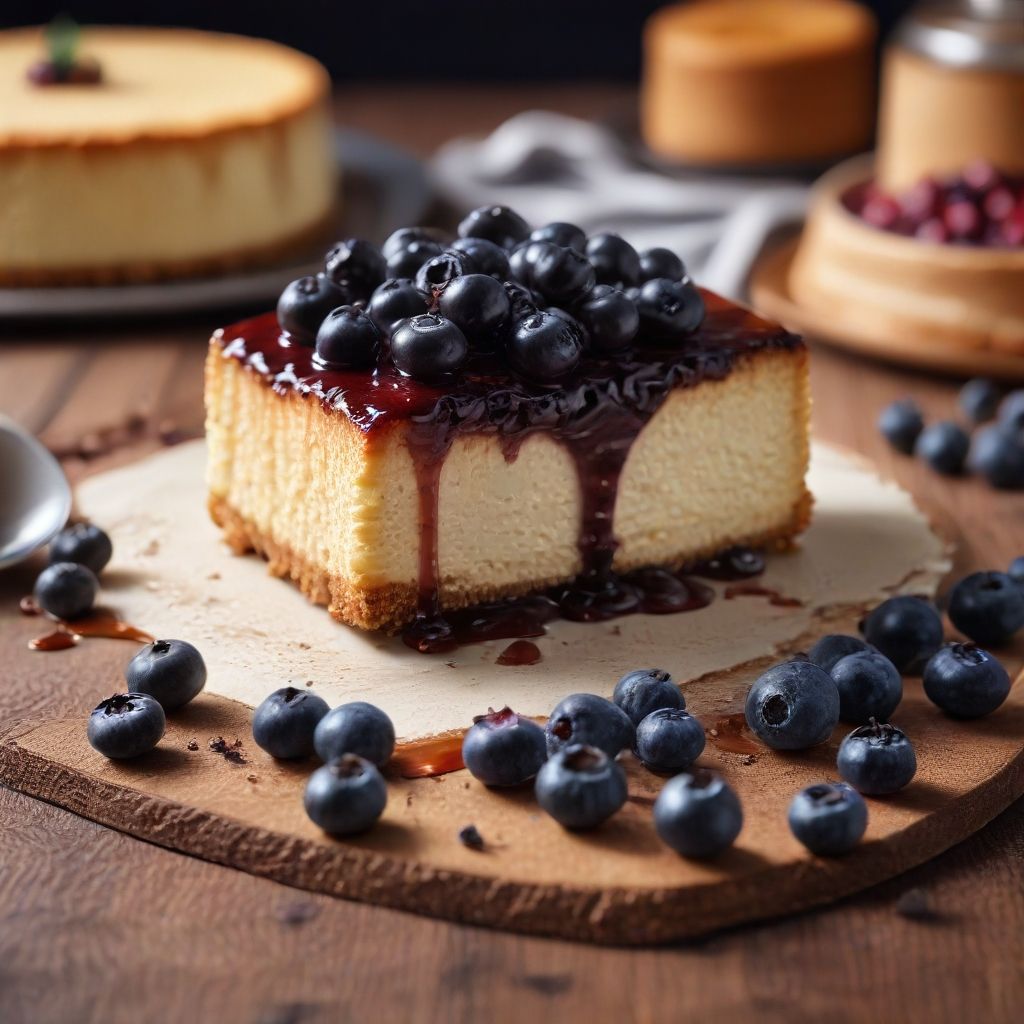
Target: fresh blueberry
pixel 66 590
pixel 793 705
pixel 172 672
pixel 477 304
pixel 581 786
pixel 84 544
pixel 404 237
pixel 396 299
pixel 901 423
pixel 1016 570
pixel 698 814
pixel 438 272
pixel 614 260
pixel 347 340
pixel 1011 411
pixel 283 725
pixel 997 454
pixel 357 265
pixel 497 224
pixel 406 262
pixel 869 687
pixel 828 818
pixel 907 630
pixel 669 740
pixel 979 399
pixel 429 348
pixel 610 319
pixel 561 233
pixel 126 725
pixel 645 690
pixel 988 607
pixel 346 795
pixel 483 257
pixel 522 259
pixel 659 262
pixel 502 748
pixel 562 276
pixel 944 447
pixel 829 649
pixel 544 347
pixel 355 728
pixel 305 303
pixel 877 759
pixel 966 681
pixel 591 720
pixel 669 309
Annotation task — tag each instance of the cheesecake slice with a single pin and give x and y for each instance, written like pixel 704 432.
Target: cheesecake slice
pixel 386 498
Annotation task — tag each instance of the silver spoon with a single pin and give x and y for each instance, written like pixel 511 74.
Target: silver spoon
pixel 35 499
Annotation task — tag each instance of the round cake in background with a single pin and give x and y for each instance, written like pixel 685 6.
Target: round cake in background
pixel 163 153
pixel 758 82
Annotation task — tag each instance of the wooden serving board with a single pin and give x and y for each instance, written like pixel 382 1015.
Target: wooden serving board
pixel 617 884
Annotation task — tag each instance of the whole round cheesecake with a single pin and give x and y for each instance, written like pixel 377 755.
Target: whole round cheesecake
pixel 745 82
pixel 186 153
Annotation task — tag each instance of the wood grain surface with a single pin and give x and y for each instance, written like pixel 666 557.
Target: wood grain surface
pixel 97 926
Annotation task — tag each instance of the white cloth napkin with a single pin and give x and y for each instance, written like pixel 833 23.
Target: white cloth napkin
pixel 551 167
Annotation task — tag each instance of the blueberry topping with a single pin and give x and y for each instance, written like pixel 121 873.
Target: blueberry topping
pixel 438 272
pixel 1011 411
pixel 502 748
pixel 614 260
pixel 877 759
pixel 944 447
pixel 172 672
pixel 660 262
pixel 645 690
pixel 580 787
pixel 521 300
pixel 283 725
pixel 793 706
pixel 126 725
pixel 66 590
pixel 669 309
pixel 998 455
pixel 84 544
pixel 346 795
pixel 610 319
pixel 544 347
pixel 305 303
pixel 829 818
pixel 979 399
pixel 561 233
pixel 477 304
pixel 829 649
pixel 356 265
pixel 347 340
pixel 429 348
pixel 869 687
pixel 669 740
pixel 355 728
pixel 396 299
pixel 560 275
pixel 483 257
pixel 988 607
pixel 965 681
pixel 591 720
pixel 522 259
pixel 907 630
pixel 496 224
pixel 406 262
pixel 698 814
pixel 401 239
pixel 901 423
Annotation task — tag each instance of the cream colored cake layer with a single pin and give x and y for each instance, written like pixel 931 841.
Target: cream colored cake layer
pixel 718 464
pixel 195 149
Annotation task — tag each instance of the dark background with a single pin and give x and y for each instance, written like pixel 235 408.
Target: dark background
pixel 415 39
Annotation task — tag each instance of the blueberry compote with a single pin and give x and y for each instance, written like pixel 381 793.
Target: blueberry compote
pixel 595 411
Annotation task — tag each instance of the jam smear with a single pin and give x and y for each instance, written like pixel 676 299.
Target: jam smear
pixel 732 734
pixel 736 563
pixel 436 755
pixel 100 623
pixel 756 590
pixel 520 652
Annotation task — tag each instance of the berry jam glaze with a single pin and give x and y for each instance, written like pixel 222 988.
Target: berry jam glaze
pixel 596 413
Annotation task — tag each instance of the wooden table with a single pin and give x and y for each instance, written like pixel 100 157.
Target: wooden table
pixel 98 926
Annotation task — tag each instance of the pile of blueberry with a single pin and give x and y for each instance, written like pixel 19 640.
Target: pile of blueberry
pixel 539 299
pixel 980 206
pixel 995 452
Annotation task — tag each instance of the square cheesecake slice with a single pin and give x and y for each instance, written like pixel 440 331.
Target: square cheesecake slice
pixel 384 498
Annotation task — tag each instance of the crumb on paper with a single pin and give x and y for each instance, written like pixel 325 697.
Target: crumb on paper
pixel 193 745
